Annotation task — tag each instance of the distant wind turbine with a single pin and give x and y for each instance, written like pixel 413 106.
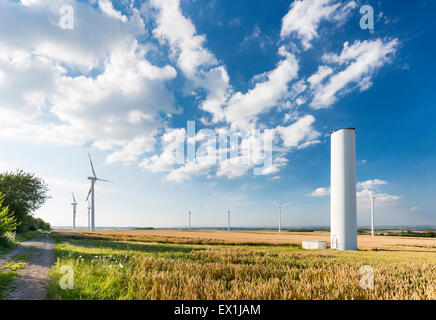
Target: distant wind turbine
pixel 74 204
pixel 280 207
pixel 372 197
pixel 189 220
pixel 228 220
pixel 89 215
pixel 91 192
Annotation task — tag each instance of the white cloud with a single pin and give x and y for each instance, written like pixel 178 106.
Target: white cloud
pixel 72 87
pixel 107 7
pixel 197 63
pixel 320 192
pixel 48 96
pixel 172 142
pixel 242 109
pixel 304 17
pixel 319 76
pixel 180 33
pixel 299 133
pixel 371 184
pixel 414 209
pixel 361 60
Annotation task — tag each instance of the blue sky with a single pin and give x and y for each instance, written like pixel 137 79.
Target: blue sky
pixel 122 80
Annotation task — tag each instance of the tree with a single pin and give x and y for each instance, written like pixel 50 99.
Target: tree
pixel 8 223
pixel 24 193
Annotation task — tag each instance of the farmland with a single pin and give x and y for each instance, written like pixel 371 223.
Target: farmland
pixel 176 264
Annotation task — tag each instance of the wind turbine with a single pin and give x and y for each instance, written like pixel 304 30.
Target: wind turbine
pixel 279 207
pixel 74 204
pixel 228 220
pixel 91 192
pixel 189 220
pixel 89 215
pixel 373 197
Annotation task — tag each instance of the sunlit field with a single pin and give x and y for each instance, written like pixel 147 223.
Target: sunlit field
pixel 109 266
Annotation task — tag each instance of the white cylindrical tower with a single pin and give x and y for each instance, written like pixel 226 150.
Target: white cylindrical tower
pixel 343 212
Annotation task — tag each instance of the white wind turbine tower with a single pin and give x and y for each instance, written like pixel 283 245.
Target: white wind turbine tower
pixel 91 192
pixel 372 197
pixel 89 215
pixel 74 204
pixel 228 220
pixel 189 220
pixel 280 207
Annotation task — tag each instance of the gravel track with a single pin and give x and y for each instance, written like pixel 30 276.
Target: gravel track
pixel 32 280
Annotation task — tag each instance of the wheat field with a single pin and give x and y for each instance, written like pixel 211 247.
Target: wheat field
pixel 108 267
pixel 365 242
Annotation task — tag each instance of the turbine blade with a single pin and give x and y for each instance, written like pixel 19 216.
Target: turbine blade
pixel 74 199
pixel 92 166
pixel 89 192
pixel 106 180
pixel 370 194
pixel 286 205
pixel 275 203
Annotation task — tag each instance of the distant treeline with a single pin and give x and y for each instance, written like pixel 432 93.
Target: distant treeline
pixel 410 233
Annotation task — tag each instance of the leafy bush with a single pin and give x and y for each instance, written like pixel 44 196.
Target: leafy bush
pixel 24 193
pixel 7 241
pixel 8 222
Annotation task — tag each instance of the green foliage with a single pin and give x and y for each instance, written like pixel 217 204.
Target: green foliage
pixel 24 193
pixel 8 223
pixel 7 242
pixel 20 237
pixel 30 223
pixel 42 225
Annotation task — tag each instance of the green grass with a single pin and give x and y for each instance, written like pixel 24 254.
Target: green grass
pixel 20 237
pixel 9 242
pixel 100 265
pixel 10 270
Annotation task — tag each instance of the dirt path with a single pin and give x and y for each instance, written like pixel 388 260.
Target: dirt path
pixel 32 280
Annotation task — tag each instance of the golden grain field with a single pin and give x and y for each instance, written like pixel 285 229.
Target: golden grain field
pixel 365 242
pixel 174 264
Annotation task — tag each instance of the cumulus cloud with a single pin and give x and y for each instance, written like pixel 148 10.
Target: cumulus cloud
pixel 305 16
pixel 320 192
pixel 242 109
pixel 107 7
pixel 359 60
pixel 300 133
pixel 50 94
pixel 100 88
pixel 371 184
pixel 187 47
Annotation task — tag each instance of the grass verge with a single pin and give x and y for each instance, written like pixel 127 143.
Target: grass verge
pixel 20 237
pixel 10 270
pixel 10 241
